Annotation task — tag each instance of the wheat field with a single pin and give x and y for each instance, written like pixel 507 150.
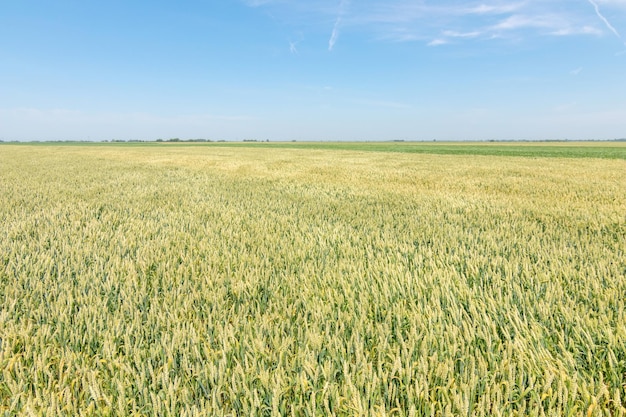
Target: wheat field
pixel 207 280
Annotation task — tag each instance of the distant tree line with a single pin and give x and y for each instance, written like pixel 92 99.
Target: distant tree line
pixel 183 140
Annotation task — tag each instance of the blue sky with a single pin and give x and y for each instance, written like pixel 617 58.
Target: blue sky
pixel 313 70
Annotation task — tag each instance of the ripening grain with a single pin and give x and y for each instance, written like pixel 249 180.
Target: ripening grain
pixel 207 280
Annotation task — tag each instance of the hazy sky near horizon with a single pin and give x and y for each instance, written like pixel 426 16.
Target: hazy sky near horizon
pixel 313 70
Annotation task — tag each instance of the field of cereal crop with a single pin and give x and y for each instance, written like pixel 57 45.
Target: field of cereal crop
pixel 347 280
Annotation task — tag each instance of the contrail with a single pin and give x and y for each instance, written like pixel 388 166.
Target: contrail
pixel 334 35
pixel 604 19
pixel 343 4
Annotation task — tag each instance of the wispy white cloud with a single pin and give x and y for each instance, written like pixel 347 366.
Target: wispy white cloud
pixel 574 30
pixel 437 42
pixel 522 21
pixel 293 47
pixel 496 8
pixel 455 34
pixel 450 21
pixel 576 71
